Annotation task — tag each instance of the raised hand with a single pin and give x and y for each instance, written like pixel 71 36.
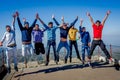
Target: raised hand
pixel 77 17
pixel 81 20
pixel 53 16
pixel 17 13
pixel 108 12
pixel 90 17
pixel 37 16
pixel 106 16
pixel 14 15
pixel 62 18
pixel 24 19
pixel 88 14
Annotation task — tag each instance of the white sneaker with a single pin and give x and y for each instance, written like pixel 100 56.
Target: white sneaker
pixel 89 64
pixel 111 60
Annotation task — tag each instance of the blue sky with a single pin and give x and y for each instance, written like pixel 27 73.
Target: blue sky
pixel 67 8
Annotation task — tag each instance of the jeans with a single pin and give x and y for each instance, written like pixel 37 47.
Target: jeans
pixel 76 48
pixel 87 48
pixel 27 51
pixel 11 54
pixel 39 48
pixel 49 44
pixel 63 44
pixel 102 46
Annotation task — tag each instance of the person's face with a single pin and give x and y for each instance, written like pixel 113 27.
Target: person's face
pixel 36 27
pixel 84 30
pixel 8 29
pixel 27 26
pixel 64 26
pixel 50 25
pixel 98 23
pixel 72 26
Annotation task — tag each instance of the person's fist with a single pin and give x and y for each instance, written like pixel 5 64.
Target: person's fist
pixel 108 12
pixel 37 16
pixel 14 15
pixel 53 16
pixel 81 20
pixel 88 14
pixel 62 18
pixel 77 17
pixel 1 44
pixel 89 44
pixel 24 19
pixel 17 13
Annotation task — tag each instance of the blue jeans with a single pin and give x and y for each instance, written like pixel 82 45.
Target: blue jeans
pixel 49 44
pixel 87 48
pixel 63 44
pixel 27 51
pixel 11 53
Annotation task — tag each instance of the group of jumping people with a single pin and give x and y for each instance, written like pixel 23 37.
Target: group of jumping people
pixel 35 33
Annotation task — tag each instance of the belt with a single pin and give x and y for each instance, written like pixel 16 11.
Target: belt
pixel 97 39
pixel 11 45
pixel 25 43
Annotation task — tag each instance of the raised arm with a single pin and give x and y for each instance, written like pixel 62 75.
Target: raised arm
pixel 81 22
pixel 13 22
pixel 56 22
pixel 24 20
pixel 73 23
pixel 19 22
pixel 105 18
pixel 37 17
pixel 41 21
pixel 62 18
pixel 80 28
pixel 91 19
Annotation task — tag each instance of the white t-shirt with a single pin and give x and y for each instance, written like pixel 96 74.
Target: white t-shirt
pixel 9 37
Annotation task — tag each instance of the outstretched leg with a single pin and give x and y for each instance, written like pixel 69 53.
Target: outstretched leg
pixel 77 51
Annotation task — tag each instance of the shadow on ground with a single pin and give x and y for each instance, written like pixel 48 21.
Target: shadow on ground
pixel 66 67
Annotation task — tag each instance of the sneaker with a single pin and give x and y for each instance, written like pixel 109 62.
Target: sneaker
pixel 46 64
pixel 16 68
pixel 9 70
pixel 65 61
pixel 80 59
pixel 89 64
pixel 25 65
pixel 25 62
pixel 111 60
pixel 56 62
pixel 83 63
pixel 70 60
pixel 116 65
